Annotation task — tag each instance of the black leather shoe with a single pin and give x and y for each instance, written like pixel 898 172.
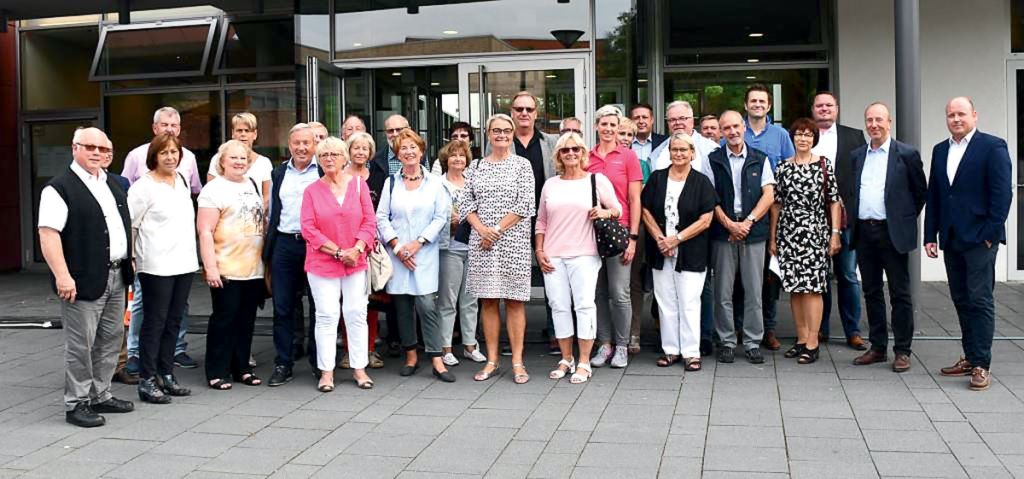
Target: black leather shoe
pixel 408 370
pixel 169 384
pixel 446 376
pixel 282 374
pixel 84 416
pixel 150 392
pixel 113 406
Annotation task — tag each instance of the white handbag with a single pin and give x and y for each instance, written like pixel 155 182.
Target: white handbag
pixel 380 268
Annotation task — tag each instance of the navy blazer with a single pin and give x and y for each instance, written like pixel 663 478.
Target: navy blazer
pixel 975 206
pixel 847 140
pixel 905 194
pixel 657 139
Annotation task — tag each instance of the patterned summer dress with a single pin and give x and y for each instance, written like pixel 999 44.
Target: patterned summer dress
pixel 803 233
pixel 493 191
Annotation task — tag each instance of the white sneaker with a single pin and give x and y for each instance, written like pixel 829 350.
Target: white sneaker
pixel 621 358
pixel 604 353
pixel 449 359
pixel 252 361
pixel 475 356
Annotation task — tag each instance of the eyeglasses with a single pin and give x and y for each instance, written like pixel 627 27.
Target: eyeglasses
pixel 571 130
pixel 570 149
pixel 521 109
pixel 804 134
pixel 331 154
pixel 501 131
pixel 460 136
pixel 394 131
pixel 679 119
pixel 102 149
pixel 680 150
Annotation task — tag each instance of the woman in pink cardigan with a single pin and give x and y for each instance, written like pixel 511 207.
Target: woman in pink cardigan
pixel 339 225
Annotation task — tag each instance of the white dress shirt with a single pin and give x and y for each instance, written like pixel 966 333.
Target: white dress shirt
pixel 135 166
pixel 828 143
pixel 956 153
pixel 872 182
pixel 53 211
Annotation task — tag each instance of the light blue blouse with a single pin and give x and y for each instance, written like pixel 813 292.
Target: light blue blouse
pixel 407 215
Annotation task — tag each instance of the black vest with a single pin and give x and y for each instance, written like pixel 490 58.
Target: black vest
pixel 750 188
pixel 85 239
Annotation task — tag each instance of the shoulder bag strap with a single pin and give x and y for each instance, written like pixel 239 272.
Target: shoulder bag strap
pixel 593 190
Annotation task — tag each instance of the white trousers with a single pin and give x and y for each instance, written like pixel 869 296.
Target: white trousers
pixel 678 295
pixel 328 294
pixel 573 282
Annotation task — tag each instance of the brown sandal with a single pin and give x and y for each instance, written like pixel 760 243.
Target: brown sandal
pixel 668 360
pixel 692 364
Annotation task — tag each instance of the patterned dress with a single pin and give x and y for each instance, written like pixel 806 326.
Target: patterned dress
pixel 493 191
pixel 803 234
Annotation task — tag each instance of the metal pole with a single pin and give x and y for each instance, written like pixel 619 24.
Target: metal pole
pixel 908 99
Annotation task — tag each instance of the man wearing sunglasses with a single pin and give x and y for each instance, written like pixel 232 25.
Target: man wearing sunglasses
pixel 84 236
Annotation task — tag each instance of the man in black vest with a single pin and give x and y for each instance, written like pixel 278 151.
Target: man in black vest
pixel 83 233
pixel 745 185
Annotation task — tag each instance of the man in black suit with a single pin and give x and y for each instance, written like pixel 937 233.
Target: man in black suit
pixel 968 201
pixel 835 143
pixel 889 191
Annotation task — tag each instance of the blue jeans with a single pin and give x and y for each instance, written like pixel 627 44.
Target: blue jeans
pixel 135 326
pixel 971 273
pixel 845 267
pixel 288 279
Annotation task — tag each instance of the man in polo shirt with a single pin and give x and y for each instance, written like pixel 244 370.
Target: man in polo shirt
pixel 772 140
pixel 84 236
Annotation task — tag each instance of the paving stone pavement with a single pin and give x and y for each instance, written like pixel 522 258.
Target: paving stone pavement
pixel 776 420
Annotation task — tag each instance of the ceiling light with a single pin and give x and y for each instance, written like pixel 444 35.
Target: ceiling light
pixel 396 74
pixel 642 80
pixel 755 35
pixel 357 44
pixel 450 32
pixel 551 76
pixel 752 60
pixel 434 83
pixel 751 77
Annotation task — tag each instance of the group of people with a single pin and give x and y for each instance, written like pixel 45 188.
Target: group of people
pixel 713 222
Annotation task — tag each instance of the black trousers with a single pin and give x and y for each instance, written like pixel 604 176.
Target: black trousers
pixel 875 255
pixel 163 308
pixel 971 273
pixel 229 332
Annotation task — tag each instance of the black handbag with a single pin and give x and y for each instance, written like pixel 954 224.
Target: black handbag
pixel 464 228
pixel 612 238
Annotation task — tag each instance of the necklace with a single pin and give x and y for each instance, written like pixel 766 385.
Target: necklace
pixel 411 178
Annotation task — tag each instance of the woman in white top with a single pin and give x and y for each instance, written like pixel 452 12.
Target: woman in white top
pixel 243 129
pixel 163 228
pixel 231 224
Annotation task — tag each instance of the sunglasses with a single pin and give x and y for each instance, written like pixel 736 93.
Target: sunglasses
pixel 394 131
pixel 571 130
pixel 102 149
pixel 522 109
pixel 570 149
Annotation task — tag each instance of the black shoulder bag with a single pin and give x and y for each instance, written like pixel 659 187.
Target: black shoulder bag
pixel 612 238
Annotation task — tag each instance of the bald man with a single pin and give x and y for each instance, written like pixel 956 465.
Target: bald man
pixel 84 236
pixel 969 197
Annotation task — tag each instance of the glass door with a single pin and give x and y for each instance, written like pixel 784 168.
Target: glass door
pixel 487 87
pixel 324 94
pixel 1015 131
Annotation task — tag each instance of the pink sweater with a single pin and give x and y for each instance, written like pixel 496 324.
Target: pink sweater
pixel 563 215
pixel 323 219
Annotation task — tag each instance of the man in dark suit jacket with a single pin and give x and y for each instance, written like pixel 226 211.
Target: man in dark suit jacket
pixel 835 143
pixel 889 191
pixel 968 201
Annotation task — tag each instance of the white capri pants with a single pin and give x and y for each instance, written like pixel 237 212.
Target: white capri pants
pixel 327 296
pixel 573 282
pixel 678 295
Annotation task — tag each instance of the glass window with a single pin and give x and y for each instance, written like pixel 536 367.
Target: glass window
pixel 386 28
pixel 754 31
pixel 257 45
pixel 275 110
pixel 1017 28
pixel 714 92
pixel 313 29
pixel 154 50
pixel 130 123
pixel 55 69
pixel 616 53
pixel 426 96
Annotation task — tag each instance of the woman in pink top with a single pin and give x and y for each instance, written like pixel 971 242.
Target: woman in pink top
pixel 567 251
pixel 339 225
pixel 614 306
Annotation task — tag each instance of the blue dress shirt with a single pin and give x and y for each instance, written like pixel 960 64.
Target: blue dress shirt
pixel 292 187
pixel 772 141
pixel 872 183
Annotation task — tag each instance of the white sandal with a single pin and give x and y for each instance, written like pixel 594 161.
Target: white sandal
pixel 578 378
pixel 559 373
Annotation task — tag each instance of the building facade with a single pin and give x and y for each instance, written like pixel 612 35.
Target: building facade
pixel 440 61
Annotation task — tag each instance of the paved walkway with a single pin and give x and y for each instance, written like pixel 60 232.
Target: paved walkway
pixel 779 419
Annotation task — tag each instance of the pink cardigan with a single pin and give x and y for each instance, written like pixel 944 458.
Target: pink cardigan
pixel 324 219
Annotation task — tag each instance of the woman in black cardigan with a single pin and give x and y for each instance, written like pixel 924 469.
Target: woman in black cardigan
pixel 677 208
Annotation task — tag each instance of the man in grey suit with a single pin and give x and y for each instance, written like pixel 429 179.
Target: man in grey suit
pixel 889 191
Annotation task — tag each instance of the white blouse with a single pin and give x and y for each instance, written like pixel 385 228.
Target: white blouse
pixel 164 226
